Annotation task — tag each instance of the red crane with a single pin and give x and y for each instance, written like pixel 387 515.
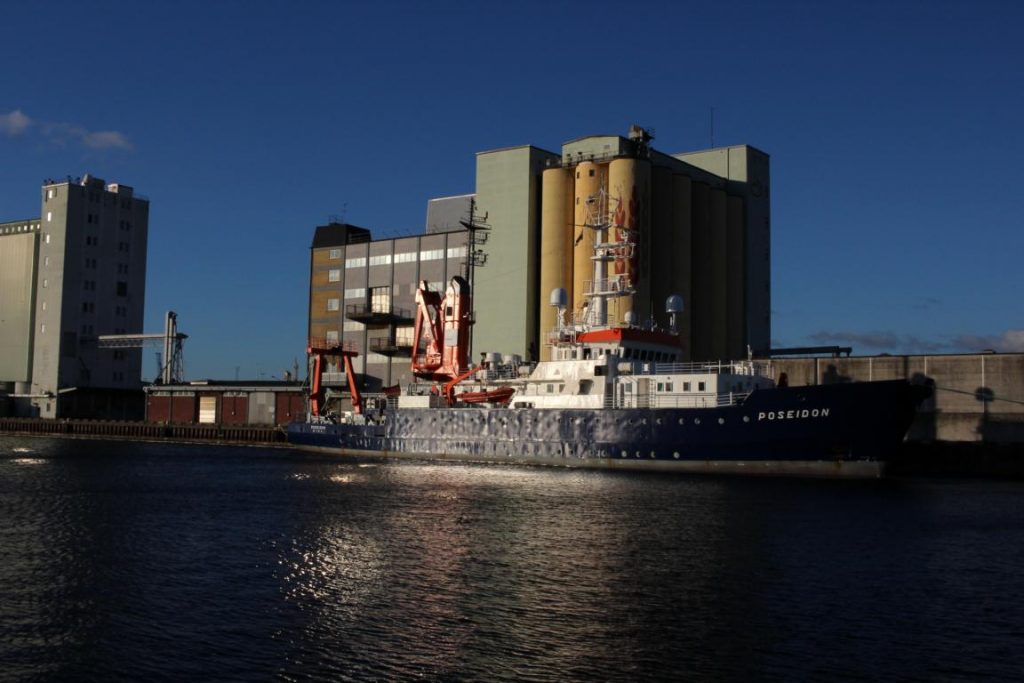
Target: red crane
pixel 442 331
pixel 320 350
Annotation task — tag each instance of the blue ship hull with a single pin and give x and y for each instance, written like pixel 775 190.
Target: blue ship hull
pixel 830 430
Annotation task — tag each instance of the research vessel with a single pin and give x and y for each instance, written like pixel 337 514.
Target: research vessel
pixel 611 396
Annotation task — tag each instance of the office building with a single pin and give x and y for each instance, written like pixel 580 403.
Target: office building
pixel 73 274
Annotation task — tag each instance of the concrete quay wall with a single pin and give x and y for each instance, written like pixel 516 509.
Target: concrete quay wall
pixel 975 398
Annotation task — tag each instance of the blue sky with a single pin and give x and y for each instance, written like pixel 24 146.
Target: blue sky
pixel 894 130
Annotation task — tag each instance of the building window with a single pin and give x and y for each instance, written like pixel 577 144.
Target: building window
pixel 50 193
pixel 333 304
pixel 700 386
pixel 406 257
pixel 122 288
pixel 403 335
pixel 334 254
pixel 332 335
pixel 334 275
pixel 382 260
pixel 42 328
pixel 380 299
pixel 456 252
pixel 356 262
pixel 355 293
pixel 431 254
pixel 49 218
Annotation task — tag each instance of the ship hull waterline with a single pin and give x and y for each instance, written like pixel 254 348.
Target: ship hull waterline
pixel 842 430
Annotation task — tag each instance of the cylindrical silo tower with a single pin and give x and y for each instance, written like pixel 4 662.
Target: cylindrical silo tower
pixel 589 176
pixel 556 236
pixel 629 201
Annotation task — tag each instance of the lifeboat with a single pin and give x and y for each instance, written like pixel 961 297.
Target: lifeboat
pixel 501 395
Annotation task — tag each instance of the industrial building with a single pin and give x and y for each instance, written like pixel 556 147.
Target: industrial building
pixel 698 224
pixel 225 403
pixel 362 291
pixel 67 277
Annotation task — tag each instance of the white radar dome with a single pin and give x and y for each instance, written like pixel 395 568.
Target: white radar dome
pixel 674 304
pixel 559 298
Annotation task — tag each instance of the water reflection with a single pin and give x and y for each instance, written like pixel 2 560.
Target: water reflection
pixel 153 561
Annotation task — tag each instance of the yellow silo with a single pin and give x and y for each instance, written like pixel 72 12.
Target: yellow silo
pixel 700 297
pixel 735 266
pixel 629 201
pixel 681 275
pixel 589 177
pixel 556 235
pixel 717 292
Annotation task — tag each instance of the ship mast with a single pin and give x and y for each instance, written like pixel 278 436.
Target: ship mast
pixel 479 230
pixel 613 243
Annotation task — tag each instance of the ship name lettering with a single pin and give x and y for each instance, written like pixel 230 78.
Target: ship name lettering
pixel 792 414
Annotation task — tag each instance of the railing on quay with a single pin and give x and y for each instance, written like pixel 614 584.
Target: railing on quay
pixel 114 429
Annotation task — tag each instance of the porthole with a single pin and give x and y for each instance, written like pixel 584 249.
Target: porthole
pixel 675 454
pixel 746 418
pixel 682 421
pixel 696 420
pixel 721 420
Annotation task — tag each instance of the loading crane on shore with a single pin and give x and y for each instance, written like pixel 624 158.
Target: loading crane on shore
pixel 172 368
pixel 318 351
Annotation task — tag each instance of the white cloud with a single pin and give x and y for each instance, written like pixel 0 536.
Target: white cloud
pixel 106 139
pixel 1010 341
pixel 14 123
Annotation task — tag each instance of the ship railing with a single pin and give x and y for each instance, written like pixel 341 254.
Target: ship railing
pixel 674 400
pixel 748 368
pixel 618 285
pixel 505 371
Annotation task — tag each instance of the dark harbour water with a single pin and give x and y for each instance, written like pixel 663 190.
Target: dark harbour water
pixel 123 561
